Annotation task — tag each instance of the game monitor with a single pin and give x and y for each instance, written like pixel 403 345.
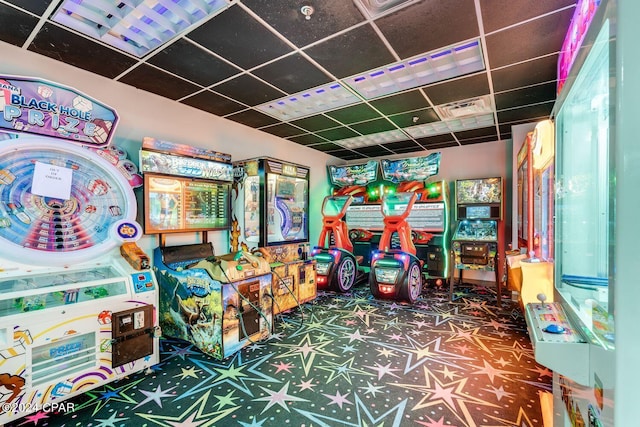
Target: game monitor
pixel 175 204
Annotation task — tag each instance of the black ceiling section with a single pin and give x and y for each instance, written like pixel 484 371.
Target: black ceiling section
pixel 429 25
pixel 538 37
pixel 57 43
pixel 353 52
pixel 354 113
pixel 329 17
pixel 258 57
pixel 213 103
pixel 248 90
pixel 34 6
pixel 15 25
pixel 238 37
pixel 154 80
pixel 293 73
pixel 526 73
pixel 186 59
pixel 542 92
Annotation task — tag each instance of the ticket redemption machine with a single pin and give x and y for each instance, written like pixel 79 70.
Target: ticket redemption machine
pixel 476 240
pixel 74 315
pixel 582 334
pixel 270 217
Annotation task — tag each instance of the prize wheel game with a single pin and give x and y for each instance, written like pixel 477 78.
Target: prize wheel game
pixel 60 203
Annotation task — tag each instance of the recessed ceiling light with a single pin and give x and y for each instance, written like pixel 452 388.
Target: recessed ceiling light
pixel 420 70
pixel 447 126
pixel 312 101
pixel 135 26
pixel 373 139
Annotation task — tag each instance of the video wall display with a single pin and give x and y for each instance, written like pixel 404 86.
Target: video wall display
pixel 178 204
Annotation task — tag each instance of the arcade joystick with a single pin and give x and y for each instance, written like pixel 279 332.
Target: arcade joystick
pixel 542 298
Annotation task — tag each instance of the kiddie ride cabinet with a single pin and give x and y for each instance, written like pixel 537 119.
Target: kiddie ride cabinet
pixel 218 303
pixel 337 266
pixel 396 273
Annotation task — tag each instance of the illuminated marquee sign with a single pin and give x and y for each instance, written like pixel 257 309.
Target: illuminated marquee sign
pixel 44 108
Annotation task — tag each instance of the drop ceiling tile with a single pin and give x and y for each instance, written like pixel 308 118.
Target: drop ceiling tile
pixel 337 133
pixel 498 14
pixel 347 154
pixel 407 101
pixel 402 145
pixel 415 149
pixel 315 123
pixel 373 126
pixel 247 90
pixel 528 95
pixel 524 113
pixel 15 25
pixel 456 90
pixel 329 17
pixel 373 151
pixel 477 133
pixel 283 130
pixel 327 146
pixel 436 139
pixel 307 139
pixel 213 103
pixel 156 81
pixel 237 36
pixel 438 145
pixel 528 73
pixel 532 39
pixel 429 25
pixel 193 63
pixel 413 118
pixel 57 43
pixel 37 7
pixel 252 118
pixel 353 114
pixel 292 74
pixel 478 140
pixel 361 46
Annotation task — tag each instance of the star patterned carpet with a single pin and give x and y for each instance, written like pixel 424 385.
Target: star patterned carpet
pixel 341 360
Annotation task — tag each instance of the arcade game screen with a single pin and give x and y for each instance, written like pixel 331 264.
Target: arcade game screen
pixel 286 196
pixel 177 204
pixel 476 191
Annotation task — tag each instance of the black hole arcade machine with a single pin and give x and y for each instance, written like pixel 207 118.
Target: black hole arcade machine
pixel 78 301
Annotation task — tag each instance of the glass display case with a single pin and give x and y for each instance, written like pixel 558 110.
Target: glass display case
pixel 584 202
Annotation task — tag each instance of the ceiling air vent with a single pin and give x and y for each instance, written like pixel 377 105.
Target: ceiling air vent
pixel 466 108
pixel 375 8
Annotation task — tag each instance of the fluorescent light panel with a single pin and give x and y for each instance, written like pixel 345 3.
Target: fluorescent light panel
pixel 447 126
pixel 313 101
pixel 373 139
pixel 135 26
pixel 420 70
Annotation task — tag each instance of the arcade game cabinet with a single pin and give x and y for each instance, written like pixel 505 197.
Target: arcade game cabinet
pixel 202 297
pixel 476 241
pixel 270 216
pixel 396 273
pixel 336 265
pixel 429 217
pixel 596 203
pixel 74 314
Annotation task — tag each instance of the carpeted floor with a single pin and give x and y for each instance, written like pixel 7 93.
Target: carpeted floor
pixel 344 360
